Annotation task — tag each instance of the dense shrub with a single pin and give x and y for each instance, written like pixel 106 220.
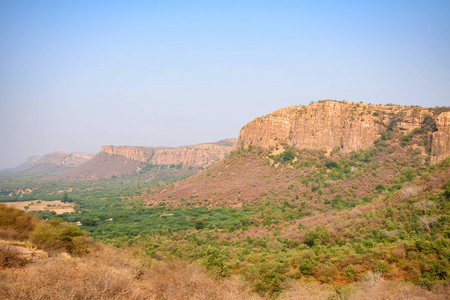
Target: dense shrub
pixel 57 236
pixel 317 236
pixel 15 224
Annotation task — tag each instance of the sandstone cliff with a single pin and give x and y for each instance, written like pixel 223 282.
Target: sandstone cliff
pixel 141 154
pixel 440 143
pixel 201 155
pixel 349 126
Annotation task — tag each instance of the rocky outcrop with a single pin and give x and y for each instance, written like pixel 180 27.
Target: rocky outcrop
pixel 440 143
pixel 346 125
pixel 201 155
pixel 65 159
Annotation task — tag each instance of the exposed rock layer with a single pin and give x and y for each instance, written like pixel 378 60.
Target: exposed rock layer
pixel 349 126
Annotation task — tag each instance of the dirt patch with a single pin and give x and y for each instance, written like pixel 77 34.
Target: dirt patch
pixel 36 205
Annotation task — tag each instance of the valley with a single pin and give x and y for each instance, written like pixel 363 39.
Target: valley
pixel 324 197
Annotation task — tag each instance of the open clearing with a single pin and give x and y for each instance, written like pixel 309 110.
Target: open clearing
pixel 56 206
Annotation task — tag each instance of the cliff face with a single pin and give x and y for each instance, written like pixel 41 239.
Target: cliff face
pixel 197 155
pixel 135 153
pixel 440 143
pixel 202 155
pixel 349 126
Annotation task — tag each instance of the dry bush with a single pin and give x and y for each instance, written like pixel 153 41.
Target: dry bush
pixel 374 287
pixel 302 290
pixel 425 205
pixel 15 224
pixel 9 234
pixel 10 257
pixel 410 192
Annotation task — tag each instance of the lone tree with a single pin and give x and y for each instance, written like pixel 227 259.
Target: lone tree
pixel 65 198
pixel 288 155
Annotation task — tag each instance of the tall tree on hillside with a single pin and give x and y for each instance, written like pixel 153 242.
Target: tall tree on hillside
pixel 65 197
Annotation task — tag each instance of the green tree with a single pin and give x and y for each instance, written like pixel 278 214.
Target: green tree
pixel 317 236
pixel 331 164
pixel 288 155
pixel 65 197
pixel 408 174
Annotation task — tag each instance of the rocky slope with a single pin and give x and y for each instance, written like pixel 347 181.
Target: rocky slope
pixel 346 125
pixel 52 162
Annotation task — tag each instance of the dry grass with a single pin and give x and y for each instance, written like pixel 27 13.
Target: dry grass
pixel 179 280
pixel 301 290
pixel 109 273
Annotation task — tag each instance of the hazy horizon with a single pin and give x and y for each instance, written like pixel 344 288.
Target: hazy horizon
pixel 76 75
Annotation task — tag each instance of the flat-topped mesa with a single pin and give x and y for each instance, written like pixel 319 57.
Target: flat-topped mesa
pixel 349 126
pixel 201 155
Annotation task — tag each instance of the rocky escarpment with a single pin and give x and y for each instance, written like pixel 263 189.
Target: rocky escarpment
pixel 201 155
pixel 346 125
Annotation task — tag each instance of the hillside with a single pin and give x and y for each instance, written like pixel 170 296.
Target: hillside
pixel 117 161
pixel 324 196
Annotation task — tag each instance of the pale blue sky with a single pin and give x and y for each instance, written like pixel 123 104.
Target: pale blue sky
pixel 75 75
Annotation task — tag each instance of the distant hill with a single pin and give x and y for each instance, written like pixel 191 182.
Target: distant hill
pixel 127 160
pixel 51 163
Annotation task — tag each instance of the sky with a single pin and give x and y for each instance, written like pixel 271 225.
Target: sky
pixel 76 75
